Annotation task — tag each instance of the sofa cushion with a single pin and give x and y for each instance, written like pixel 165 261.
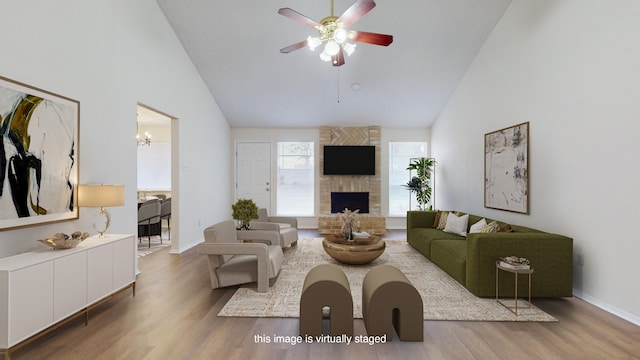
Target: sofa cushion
pixel 457 224
pixel 421 238
pixel 451 256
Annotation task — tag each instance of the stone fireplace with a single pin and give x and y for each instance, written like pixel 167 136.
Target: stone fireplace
pixel 371 221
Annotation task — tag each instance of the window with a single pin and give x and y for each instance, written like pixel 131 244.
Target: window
pixel 400 154
pixel 295 179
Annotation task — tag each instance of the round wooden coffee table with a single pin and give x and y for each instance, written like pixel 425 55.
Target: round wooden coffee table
pixel 357 252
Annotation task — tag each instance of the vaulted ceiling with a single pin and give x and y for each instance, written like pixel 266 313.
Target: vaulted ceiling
pixel 235 47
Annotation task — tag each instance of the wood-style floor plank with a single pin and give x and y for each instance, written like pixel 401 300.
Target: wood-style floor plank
pixel 174 316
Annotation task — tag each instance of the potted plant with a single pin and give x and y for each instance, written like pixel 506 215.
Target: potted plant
pixel 244 210
pixel 420 184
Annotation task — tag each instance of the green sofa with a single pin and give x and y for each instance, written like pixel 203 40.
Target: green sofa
pixel 472 260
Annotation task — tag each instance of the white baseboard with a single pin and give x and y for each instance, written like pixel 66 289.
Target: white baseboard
pixel 607 307
pixel 185 248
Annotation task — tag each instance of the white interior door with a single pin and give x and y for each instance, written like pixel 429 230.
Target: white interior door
pixel 253 172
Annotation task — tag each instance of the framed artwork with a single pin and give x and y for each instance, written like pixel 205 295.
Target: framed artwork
pixel 506 169
pixel 38 156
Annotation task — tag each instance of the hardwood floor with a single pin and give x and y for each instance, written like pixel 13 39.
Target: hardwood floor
pixel 173 316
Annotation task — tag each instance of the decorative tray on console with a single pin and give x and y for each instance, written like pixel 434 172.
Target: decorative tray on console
pixel 64 241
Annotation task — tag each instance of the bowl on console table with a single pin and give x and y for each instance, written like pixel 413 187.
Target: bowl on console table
pixel 64 241
pixel 354 252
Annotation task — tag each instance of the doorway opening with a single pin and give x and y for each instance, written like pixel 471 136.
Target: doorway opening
pixel 156 180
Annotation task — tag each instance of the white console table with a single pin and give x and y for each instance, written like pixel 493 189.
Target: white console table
pixel 43 288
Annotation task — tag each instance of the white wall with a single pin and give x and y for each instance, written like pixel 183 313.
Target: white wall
pixel 570 68
pixel 313 134
pixel 110 55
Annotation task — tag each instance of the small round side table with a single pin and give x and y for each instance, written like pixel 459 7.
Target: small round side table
pixel 516 272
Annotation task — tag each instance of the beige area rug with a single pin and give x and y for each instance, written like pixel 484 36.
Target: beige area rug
pixel 443 297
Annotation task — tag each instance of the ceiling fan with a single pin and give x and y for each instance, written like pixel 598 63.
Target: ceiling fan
pixel 334 32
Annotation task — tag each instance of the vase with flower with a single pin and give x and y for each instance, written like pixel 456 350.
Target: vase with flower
pixel 349 223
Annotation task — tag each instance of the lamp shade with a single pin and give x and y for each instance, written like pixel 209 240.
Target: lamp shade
pixel 100 195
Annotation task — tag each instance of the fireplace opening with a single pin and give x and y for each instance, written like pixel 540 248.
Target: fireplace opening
pixel 349 200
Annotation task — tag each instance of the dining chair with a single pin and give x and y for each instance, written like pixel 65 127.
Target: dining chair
pixel 149 220
pixel 165 213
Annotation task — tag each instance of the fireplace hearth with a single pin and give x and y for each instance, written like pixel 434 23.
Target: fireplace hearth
pixel 350 200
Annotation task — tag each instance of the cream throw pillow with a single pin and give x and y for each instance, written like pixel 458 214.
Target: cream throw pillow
pixel 477 227
pixel 457 224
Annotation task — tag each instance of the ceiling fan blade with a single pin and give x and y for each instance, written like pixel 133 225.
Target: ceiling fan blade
pixel 338 59
pixel 293 47
pixel 296 16
pixel 373 38
pixel 355 12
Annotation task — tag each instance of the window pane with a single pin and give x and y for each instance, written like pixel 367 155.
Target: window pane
pixel 400 154
pixel 295 179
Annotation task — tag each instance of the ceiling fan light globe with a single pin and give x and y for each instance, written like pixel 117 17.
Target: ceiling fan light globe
pixel 331 48
pixel 340 36
pixel 349 48
pixel 313 42
pixel 325 57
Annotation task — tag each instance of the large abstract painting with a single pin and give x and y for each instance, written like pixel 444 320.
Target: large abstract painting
pixel 38 155
pixel 506 169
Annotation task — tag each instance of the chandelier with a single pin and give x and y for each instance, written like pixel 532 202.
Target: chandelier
pixel 146 140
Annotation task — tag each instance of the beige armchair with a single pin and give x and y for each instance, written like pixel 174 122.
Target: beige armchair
pixel 233 262
pixel 287 227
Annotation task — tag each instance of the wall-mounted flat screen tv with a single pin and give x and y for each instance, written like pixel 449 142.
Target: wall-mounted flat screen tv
pixel 349 160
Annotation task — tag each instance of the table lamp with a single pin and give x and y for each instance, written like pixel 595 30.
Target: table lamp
pixel 101 196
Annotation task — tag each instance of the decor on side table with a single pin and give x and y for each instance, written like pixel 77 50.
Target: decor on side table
pixel 244 210
pixel 423 182
pixel 515 263
pixel 506 169
pixel 39 131
pixel 64 241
